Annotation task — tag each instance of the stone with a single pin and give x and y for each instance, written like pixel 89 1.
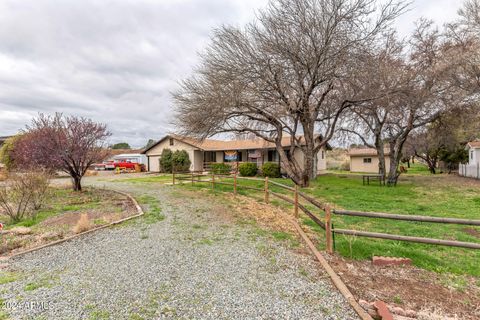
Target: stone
pixel 389 261
pixel 382 310
pixel 399 311
pixel 411 313
pixel 22 231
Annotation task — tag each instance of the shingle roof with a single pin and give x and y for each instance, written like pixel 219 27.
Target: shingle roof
pixel 218 145
pixel 366 152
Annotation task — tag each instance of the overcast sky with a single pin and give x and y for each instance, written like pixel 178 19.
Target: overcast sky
pixel 117 61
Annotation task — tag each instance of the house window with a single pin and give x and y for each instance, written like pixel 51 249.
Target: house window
pixel 471 155
pixel 171 141
pixel 323 154
pixel 272 155
pixel 367 160
pixel 210 156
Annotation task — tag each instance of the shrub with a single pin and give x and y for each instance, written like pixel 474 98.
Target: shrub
pixel 181 160
pixel 166 160
pixel 83 224
pixel 248 169
pixel 24 194
pixel 271 170
pixel 220 168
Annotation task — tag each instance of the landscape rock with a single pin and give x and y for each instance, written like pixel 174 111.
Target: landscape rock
pixel 390 261
pixel 20 231
pixel 382 310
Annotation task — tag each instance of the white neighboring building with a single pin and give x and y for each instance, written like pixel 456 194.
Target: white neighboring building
pixel 472 169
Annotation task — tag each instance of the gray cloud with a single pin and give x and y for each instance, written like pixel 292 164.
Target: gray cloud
pixel 116 61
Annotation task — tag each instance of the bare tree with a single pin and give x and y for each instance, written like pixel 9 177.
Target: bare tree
pixel 383 72
pixel 422 91
pixel 294 71
pixel 70 144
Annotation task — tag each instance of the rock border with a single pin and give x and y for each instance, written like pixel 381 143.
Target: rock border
pixel 130 197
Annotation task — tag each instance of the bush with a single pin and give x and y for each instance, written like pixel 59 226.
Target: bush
pixel 166 160
pixel 271 170
pixel 24 194
pixel 220 168
pixel 248 169
pixel 181 161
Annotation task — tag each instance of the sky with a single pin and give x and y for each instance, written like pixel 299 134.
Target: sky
pixel 117 62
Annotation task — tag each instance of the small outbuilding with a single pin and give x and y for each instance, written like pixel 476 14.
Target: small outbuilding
pixel 366 160
pixel 472 168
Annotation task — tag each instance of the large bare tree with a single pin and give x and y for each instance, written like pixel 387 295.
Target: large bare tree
pixel 294 71
pixel 422 89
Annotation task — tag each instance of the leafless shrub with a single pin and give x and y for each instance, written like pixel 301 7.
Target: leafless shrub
pixel 23 194
pixel 83 224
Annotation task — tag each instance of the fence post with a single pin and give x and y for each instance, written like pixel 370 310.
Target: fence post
pixel 478 170
pixel 235 184
pixel 296 201
pixel 173 175
pixel 192 178
pixel 213 181
pixel 266 190
pixel 328 229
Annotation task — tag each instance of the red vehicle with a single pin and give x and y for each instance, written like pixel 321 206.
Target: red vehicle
pixel 124 164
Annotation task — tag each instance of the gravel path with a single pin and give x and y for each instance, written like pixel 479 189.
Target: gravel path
pixel 195 264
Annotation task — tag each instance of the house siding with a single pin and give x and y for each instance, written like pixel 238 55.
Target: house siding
pixel 357 164
pixel 155 153
pixel 472 169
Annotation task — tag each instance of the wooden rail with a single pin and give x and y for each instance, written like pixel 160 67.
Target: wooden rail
pixel 329 213
pixel 393 216
pixel 449 243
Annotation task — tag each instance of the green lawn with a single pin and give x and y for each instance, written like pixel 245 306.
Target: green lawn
pixel 417 193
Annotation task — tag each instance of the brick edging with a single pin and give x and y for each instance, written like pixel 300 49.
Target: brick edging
pixel 132 199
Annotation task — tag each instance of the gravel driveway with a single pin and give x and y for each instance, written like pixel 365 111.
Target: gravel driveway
pixel 197 263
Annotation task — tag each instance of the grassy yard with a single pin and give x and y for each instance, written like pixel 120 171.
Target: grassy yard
pixel 60 213
pixel 417 193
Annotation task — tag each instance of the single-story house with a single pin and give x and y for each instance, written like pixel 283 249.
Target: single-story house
pixel 203 153
pixel 366 160
pixel 472 169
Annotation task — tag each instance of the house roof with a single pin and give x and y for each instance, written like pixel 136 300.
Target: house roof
pixel 3 138
pixel 219 145
pixel 474 144
pixel 366 152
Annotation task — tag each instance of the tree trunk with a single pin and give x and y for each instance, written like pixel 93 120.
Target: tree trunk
pixel 393 173
pixel 77 183
pixel 381 158
pixel 408 163
pixel 432 164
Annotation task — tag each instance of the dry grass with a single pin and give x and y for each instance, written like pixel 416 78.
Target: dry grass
pixel 265 215
pixel 83 224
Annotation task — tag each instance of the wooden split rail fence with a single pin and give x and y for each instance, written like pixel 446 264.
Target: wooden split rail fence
pixel 324 220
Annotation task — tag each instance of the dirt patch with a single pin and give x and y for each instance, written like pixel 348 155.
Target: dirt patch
pixel 411 288
pixel 61 214
pixel 472 232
